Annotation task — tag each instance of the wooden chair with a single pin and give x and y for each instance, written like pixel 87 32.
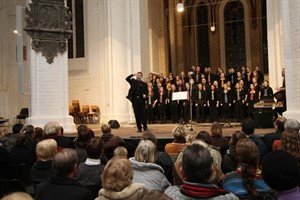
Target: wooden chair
pixel 85 109
pixel 78 115
pixel 96 117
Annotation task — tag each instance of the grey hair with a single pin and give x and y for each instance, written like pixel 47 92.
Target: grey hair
pixel 51 128
pixel 292 125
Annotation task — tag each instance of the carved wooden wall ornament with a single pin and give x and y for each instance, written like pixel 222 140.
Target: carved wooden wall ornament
pixel 48 23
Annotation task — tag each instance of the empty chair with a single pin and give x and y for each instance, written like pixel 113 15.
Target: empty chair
pixel 96 117
pixel 23 115
pixel 78 115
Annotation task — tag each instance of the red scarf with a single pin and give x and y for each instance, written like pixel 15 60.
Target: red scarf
pixel 201 192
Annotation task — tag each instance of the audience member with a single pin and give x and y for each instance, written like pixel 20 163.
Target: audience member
pixel 280 172
pixel 190 138
pixel 38 134
pixel 62 185
pixel 290 142
pixel 162 158
pixel 179 142
pixel 145 169
pixel 84 136
pixel 42 168
pixel 4 161
pixel 23 152
pixel 196 170
pixel 17 196
pixel 89 172
pixel 110 141
pixel 271 137
pixel 248 127
pixel 217 138
pixel 290 125
pixel 246 182
pixel 121 152
pixel 54 130
pixel 9 140
pixel 117 181
pixel 229 162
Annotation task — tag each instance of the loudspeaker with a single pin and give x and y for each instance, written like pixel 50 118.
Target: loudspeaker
pixel 114 123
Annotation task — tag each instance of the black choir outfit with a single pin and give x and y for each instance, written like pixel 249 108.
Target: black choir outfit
pixel 238 100
pixel 137 95
pixel 252 97
pixel 199 98
pixel 213 104
pixel 225 104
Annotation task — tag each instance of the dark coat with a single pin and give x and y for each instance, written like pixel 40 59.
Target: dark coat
pixel 270 138
pixel 41 171
pixel 133 86
pixel 62 188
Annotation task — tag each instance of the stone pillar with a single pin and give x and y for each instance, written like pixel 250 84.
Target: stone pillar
pixel 291 44
pixel 48 81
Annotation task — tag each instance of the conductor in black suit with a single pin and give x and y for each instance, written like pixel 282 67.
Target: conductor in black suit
pixel 137 95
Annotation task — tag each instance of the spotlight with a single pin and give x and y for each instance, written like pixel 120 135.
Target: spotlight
pixel 180 7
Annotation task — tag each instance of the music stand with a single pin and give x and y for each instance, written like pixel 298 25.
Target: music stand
pixel 183 96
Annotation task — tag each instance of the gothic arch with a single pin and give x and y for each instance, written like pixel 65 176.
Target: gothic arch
pixel 222 32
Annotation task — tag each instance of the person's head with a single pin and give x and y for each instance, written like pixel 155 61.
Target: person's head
pixel 247 155
pixel 139 76
pixel 292 125
pixel 145 152
pixel 94 148
pixel 248 126
pixel 290 142
pixel 225 86
pixel 17 196
pixel 52 128
pixel 46 149
pixel 196 164
pixel 121 152
pixel 236 136
pixel 190 137
pixel 279 124
pixel 179 134
pixel 252 87
pixel 65 163
pixel 200 86
pixel 254 80
pixel 38 134
pixel 106 129
pixel 147 135
pixel 117 174
pixel 84 136
pixel 248 69
pixel 212 87
pixel 27 129
pixel 187 86
pixel 216 129
pixel 280 170
pixel 203 81
pixel 266 83
pixel 17 128
pixel 247 152
pixel 204 136
pixel 239 74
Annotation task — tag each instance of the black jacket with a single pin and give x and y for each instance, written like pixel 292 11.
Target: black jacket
pixel 134 86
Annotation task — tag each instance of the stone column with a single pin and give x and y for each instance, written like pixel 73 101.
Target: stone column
pixel 291 44
pixel 48 78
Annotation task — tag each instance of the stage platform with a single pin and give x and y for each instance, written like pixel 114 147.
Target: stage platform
pixel 165 130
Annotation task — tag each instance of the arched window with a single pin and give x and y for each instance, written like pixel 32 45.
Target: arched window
pixel 234 28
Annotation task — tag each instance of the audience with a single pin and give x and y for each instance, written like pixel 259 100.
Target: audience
pixel 229 161
pixel 217 138
pixel 54 130
pixel 280 172
pixel 145 169
pixel 110 141
pixel 246 182
pixel 42 168
pixel 38 134
pixel 23 152
pixel 9 140
pixel 196 170
pixel 248 127
pixel 117 182
pixel 179 143
pixel 89 172
pixel 271 137
pixel 62 185
pixel 84 136
pixel 121 152
pixel 162 158
pixel 17 196
pixel 290 142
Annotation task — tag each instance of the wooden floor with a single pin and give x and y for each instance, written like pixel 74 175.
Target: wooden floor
pixel 165 130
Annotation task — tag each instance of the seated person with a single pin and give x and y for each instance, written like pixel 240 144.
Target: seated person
pixel 145 169
pixel 62 185
pixel 246 182
pixel 179 143
pixel 42 169
pixel 280 172
pixel 89 172
pixel 196 170
pixel 110 141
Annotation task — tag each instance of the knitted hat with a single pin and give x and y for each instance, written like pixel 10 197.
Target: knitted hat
pixel 280 171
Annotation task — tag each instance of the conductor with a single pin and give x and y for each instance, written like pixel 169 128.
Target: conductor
pixel 137 95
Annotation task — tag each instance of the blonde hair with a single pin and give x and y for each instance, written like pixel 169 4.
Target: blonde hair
pixel 145 152
pixel 216 130
pixel 52 128
pixel 190 138
pixel 117 174
pixel 17 196
pixel 46 149
pixel 121 152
